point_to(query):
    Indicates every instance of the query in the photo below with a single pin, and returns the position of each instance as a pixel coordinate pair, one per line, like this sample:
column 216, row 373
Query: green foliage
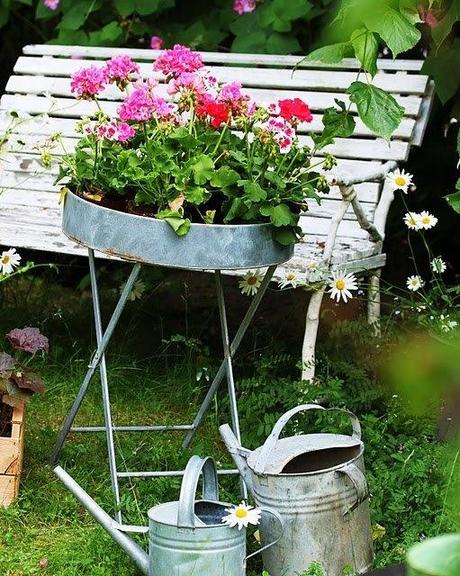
column 276, row 26
column 377, row 109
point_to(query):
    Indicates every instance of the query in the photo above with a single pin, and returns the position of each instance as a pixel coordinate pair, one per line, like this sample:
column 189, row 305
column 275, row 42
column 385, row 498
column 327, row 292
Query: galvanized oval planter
column 152, row 241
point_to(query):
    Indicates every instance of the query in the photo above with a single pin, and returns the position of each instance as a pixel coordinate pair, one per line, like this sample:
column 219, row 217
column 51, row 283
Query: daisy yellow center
column 412, row 220
column 340, row 284
column 241, row 513
column 426, row 220
column 290, row 276
column 400, row 181
column 6, row 259
column 252, row 280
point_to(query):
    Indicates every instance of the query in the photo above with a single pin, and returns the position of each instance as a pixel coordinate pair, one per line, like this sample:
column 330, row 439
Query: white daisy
column 340, row 286
column 438, row 265
column 137, row 290
column 313, row 272
column 250, row 282
column 241, row 516
column 412, row 220
column 9, row 260
column 446, row 324
column 399, row 180
column 290, row 278
column 427, row 220
column 414, row 283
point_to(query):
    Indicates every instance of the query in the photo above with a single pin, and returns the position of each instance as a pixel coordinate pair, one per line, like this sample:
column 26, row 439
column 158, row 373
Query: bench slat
column 395, row 82
column 216, row 57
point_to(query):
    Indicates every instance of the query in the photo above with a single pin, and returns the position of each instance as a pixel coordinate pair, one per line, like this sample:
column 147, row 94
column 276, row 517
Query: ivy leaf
column 444, row 66
column 203, row 169
column 175, row 219
column 366, row 49
column 444, row 27
column 279, row 215
column 224, row 177
column 125, row 7
column 454, row 199
column 145, row 7
column 254, row 192
column 197, row 195
column 330, row 54
column 76, row 16
column 282, row 43
column 394, row 29
column 377, row 109
column 337, row 124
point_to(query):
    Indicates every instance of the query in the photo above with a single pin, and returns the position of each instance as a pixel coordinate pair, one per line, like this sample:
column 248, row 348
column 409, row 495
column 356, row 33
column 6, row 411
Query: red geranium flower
column 295, row 110
column 218, row 112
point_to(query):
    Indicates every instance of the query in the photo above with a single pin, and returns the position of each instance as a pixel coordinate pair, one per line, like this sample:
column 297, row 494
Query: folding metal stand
column 99, row 361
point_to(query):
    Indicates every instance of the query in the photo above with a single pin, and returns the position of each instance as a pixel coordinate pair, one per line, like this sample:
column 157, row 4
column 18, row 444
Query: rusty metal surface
column 151, row 241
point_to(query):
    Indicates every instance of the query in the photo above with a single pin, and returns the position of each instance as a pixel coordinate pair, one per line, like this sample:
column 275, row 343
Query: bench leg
column 311, row 333
column 373, row 302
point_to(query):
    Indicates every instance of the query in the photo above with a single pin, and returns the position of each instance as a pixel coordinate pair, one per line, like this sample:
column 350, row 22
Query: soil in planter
column 6, row 415
column 127, row 205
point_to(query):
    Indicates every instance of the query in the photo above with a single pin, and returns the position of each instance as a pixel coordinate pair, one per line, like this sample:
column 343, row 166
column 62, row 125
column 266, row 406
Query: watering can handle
column 193, row 470
column 280, row 522
column 271, row 441
column 359, row 482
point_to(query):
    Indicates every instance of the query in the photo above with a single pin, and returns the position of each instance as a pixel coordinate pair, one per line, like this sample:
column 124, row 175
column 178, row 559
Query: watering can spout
column 238, row 453
column 128, row 545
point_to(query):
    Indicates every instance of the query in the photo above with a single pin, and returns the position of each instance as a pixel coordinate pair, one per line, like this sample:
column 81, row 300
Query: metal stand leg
column 94, row 363
column 105, row 390
column 233, row 348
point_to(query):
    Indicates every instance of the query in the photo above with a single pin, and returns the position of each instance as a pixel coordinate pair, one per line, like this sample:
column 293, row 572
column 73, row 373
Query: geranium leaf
column 203, row 169
column 224, row 177
column 254, row 192
column 279, row 215
column 175, row 219
column 197, row 195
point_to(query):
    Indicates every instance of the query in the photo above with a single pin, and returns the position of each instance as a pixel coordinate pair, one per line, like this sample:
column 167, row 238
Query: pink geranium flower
column 51, row 4
column 187, row 81
column 178, row 60
column 156, row 43
column 283, row 133
column 244, row 6
column 125, row 132
column 88, row 82
column 28, row 339
column 120, row 70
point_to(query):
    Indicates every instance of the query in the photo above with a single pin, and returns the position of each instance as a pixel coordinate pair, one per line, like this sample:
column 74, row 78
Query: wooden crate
column 11, row 453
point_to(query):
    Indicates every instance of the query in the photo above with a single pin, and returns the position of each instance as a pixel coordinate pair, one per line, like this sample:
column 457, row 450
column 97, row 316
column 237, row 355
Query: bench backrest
column 40, row 87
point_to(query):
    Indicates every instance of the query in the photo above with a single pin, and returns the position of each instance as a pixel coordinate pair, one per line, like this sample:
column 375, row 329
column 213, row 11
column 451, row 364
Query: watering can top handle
column 193, row 470
column 271, row 441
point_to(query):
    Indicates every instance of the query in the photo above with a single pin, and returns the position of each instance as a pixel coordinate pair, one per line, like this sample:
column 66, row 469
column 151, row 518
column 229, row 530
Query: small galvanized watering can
column 188, row 538
column 317, row 484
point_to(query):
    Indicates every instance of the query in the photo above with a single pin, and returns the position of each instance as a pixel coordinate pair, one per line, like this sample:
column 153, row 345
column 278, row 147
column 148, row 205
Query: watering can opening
column 321, row 460
column 210, row 513
column 309, row 454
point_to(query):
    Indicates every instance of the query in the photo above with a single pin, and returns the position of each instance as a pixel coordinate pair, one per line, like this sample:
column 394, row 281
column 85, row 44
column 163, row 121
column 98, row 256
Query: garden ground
column 158, row 366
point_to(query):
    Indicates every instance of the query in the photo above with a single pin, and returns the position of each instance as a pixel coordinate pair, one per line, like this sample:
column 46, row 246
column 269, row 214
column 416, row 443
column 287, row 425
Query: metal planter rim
column 152, row 241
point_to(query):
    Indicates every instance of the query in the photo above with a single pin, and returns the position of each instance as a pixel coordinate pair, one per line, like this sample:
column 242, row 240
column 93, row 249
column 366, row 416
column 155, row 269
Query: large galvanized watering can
column 317, row 484
column 187, row 537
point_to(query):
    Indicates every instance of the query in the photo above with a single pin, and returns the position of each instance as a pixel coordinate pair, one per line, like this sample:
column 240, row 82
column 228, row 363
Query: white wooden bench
column 40, row 88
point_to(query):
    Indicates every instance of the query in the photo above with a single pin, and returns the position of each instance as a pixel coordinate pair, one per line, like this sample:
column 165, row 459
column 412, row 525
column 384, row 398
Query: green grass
column 152, row 378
